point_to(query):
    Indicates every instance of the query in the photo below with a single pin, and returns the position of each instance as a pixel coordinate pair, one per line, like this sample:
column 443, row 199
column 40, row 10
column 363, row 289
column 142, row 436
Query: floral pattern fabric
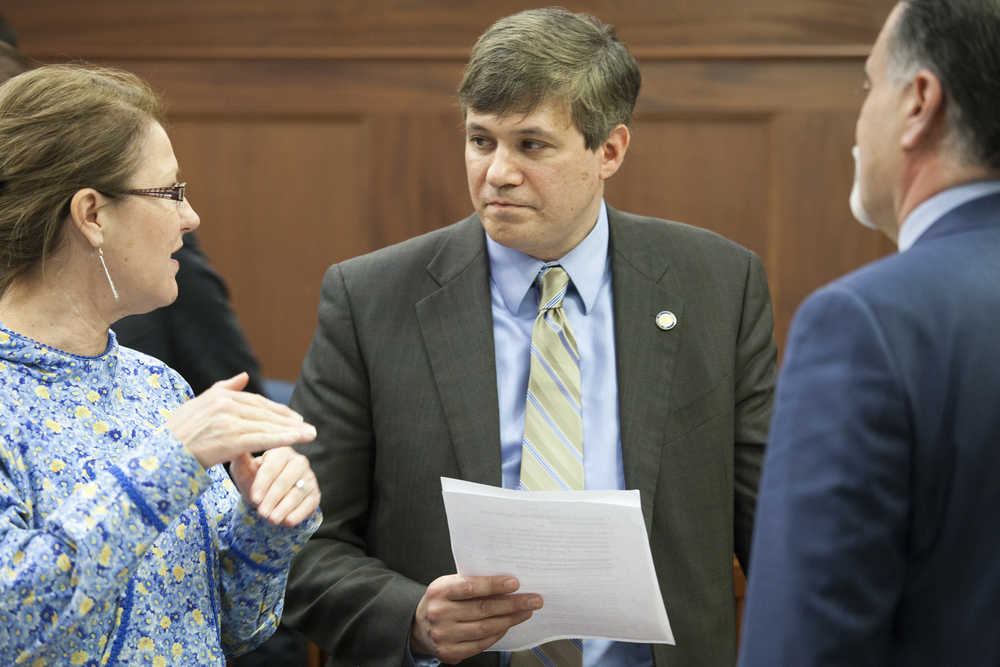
column 116, row 547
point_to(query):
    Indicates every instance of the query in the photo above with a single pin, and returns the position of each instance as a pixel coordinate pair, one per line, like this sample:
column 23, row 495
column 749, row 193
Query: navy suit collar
column 976, row 214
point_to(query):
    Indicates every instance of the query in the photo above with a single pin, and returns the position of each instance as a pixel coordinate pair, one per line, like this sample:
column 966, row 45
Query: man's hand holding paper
column 460, row 616
column 585, row 553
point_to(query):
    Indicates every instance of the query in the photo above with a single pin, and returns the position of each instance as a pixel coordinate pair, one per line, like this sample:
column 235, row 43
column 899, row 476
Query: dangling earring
column 100, row 256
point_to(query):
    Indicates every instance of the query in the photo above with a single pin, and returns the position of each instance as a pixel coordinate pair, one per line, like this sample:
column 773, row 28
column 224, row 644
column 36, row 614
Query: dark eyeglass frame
column 175, row 192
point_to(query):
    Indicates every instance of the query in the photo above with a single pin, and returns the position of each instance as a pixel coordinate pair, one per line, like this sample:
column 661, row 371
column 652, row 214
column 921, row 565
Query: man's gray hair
column 959, row 41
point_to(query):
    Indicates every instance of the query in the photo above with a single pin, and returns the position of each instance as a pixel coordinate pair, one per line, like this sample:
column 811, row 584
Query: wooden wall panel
column 278, row 203
column 816, row 239
column 419, row 179
column 298, row 28
column 312, row 131
column 673, row 156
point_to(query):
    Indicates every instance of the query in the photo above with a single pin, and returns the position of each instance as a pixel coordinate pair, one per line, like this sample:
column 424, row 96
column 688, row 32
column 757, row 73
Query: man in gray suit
column 421, row 361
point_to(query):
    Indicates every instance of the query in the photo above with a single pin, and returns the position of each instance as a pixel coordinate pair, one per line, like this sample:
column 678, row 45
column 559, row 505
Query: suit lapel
column 456, row 323
column 646, row 355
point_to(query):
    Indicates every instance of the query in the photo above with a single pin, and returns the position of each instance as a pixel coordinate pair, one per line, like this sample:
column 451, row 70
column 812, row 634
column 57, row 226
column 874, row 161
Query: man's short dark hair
column 959, row 41
column 550, row 54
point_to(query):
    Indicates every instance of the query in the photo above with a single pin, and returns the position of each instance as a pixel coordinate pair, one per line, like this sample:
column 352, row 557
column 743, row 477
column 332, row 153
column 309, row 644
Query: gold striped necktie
column 552, row 447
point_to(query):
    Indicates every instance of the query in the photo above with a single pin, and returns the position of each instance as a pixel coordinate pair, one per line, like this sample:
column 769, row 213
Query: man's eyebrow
column 535, row 131
column 524, row 131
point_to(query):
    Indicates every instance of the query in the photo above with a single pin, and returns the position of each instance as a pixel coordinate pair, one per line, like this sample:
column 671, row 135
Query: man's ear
column 924, row 105
column 613, row 151
column 85, row 214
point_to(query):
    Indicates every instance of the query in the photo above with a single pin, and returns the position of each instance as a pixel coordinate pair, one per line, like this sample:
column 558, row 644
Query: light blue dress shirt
column 588, row 304
column 932, row 210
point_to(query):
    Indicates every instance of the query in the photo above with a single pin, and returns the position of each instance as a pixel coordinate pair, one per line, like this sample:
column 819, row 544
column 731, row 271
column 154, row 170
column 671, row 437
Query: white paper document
column 585, row 552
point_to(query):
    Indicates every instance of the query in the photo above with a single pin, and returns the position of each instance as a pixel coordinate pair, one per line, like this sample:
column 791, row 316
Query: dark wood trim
column 460, row 55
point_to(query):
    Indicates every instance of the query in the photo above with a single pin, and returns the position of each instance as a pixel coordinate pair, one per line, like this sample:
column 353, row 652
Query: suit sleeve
column 756, row 359
column 350, row 604
column 829, row 548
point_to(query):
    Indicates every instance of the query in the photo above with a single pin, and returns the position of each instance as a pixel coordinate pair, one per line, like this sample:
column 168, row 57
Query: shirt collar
column 932, row 210
column 514, row 272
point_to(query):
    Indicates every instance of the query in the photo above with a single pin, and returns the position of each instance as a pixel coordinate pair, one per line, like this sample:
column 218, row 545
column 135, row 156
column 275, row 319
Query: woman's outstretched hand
column 224, row 423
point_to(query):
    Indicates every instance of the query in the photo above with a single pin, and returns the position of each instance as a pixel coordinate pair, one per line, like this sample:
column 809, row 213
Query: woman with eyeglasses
column 122, row 538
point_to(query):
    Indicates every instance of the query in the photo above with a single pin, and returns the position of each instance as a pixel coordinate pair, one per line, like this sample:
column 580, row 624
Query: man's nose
column 504, row 169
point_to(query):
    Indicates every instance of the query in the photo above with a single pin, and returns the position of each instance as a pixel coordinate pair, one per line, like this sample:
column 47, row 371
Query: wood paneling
column 312, row 131
column 815, row 238
column 298, row 28
column 674, row 155
column 278, row 203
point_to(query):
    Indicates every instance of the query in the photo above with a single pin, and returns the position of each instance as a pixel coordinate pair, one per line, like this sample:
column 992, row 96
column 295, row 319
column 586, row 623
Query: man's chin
column 506, row 214
column 500, row 230
column 510, row 234
column 858, row 209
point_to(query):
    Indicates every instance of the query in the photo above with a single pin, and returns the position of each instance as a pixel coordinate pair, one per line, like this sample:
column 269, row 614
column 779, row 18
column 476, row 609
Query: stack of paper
column 585, row 552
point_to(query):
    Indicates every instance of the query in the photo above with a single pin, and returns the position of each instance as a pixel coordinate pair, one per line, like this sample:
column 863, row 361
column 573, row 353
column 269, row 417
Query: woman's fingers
column 235, row 383
column 263, row 436
column 223, row 423
column 285, row 488
column 263, row 405
column 304, row 509
column 243, row 469
column 271, row 464
column 300, row 501
column 276, row 477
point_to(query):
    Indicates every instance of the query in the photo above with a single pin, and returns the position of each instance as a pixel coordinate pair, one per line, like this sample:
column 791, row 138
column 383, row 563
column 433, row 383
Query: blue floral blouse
column 116, row 547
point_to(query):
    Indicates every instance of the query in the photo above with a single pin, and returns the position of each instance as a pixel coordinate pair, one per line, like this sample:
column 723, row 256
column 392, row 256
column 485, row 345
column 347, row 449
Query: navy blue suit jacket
column 877, row 539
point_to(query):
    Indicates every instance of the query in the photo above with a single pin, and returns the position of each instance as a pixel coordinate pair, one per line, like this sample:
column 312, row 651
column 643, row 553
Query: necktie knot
column 554, row 280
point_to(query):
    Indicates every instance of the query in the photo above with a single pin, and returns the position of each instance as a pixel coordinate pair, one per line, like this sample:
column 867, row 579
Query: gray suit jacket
column 401, row 384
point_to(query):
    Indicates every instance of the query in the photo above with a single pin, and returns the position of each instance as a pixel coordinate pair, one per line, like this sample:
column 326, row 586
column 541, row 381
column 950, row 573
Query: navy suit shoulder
column 876, row 529
column 951, row 249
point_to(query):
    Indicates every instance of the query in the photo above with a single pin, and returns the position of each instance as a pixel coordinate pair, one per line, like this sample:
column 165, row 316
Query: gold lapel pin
column 666, row 320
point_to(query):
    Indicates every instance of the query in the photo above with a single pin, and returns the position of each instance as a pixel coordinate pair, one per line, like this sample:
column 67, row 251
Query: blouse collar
column 52, row 364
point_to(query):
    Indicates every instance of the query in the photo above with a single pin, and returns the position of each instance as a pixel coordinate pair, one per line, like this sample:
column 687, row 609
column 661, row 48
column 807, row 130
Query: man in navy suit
column 878, row 526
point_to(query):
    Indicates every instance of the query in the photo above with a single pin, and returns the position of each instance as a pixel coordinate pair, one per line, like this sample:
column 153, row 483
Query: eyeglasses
column 175, row 192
